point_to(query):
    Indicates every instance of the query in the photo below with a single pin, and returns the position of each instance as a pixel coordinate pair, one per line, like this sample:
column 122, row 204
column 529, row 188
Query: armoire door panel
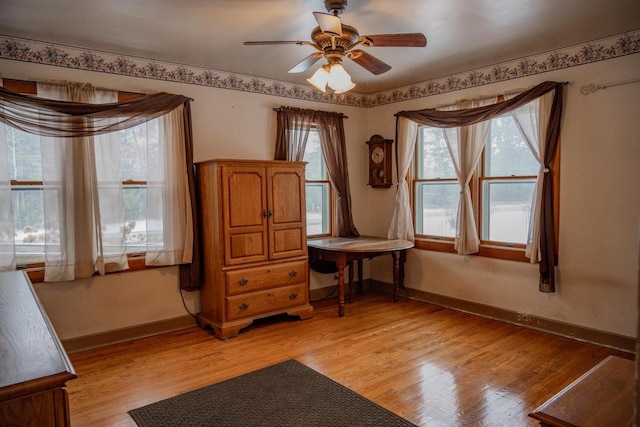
column 287, row 226
column 288, row 242
column 245, row 196
column 245, row 209
column 286, row 203
column 246, row 247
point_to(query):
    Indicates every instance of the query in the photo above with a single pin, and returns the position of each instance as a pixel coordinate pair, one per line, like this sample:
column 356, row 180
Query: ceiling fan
column 334, row 40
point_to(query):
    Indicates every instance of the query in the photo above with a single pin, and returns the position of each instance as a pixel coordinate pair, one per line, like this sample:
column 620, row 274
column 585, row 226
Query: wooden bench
column 603, row 396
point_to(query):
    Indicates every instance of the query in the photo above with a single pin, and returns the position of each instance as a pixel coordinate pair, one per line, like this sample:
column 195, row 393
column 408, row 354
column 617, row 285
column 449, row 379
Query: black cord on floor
column 185, row 305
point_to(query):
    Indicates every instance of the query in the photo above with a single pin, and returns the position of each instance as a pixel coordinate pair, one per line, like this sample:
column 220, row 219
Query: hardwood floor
column 432, row 366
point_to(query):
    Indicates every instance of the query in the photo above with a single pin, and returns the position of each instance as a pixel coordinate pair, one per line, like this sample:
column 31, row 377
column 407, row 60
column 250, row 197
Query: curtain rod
column 591, row 88
column 331, row 112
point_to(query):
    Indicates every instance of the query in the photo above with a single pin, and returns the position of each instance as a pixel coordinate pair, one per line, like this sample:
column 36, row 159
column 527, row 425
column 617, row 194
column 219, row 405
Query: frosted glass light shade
column 350, row 86
column 319, row 79
column 339, row 79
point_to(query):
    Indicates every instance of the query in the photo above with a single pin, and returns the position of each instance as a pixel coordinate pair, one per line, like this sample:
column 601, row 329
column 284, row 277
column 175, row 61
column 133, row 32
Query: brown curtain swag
column 62, row 119
column 470, row 116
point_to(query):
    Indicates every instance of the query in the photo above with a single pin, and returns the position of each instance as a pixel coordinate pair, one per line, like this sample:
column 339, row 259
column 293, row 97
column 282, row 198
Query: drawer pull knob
column 293, row 295
column 243, row 281
column 293, row 273
column 243, row 306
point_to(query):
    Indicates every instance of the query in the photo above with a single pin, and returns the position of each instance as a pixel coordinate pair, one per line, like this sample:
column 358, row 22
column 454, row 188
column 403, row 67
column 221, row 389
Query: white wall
column 226, row 124
column 599, row 205
column 597, row 273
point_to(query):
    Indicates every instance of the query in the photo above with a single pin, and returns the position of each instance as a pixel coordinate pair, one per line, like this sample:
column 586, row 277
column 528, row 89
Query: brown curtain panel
column 293, row 131
column 331, row 129
column 465, row 117
column 62, row 119
column 293, row 126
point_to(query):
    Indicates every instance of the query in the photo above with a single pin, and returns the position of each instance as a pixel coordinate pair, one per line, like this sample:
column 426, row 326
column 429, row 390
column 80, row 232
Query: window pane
column 508, row 154
column 434, row 160
column 136, row 228
column 317, row 193
column 23, row 151
column 138, row 146
column 315, row 169
column 506, row 210
column 133, row 152
column 317, row 208
column 28, row 211
column 437, row 208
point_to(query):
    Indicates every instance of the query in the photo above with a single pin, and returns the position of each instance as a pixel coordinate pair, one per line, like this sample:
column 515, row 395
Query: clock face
column 377, row 155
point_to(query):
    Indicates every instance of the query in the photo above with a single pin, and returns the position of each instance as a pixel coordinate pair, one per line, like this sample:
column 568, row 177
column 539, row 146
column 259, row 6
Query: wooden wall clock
column 380, row 161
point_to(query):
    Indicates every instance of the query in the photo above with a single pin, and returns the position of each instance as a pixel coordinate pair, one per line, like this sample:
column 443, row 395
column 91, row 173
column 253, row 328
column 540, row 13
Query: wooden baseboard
column 580, row 333
column 606, row 339
column 87, row 342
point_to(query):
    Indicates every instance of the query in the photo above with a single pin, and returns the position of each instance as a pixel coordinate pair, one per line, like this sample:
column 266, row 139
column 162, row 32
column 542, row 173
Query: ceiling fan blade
column 259, row 43
column 306, row 63
column 369, row 62
column 328, row 23
column 406, row 39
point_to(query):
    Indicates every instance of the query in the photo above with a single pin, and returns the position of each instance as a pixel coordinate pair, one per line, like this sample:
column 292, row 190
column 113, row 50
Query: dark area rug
column 285, row 394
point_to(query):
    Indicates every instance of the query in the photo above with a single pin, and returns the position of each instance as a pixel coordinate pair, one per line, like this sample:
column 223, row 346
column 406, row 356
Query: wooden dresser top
column 30, row 351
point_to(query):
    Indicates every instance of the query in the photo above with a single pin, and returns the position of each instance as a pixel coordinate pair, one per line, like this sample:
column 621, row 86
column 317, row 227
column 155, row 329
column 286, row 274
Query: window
column 502, row 191
column 508, row 179
column 51, row 188
column 27, row 195
column 136, row 146
column 318, row 188
column 437, row 190
column 24, row 153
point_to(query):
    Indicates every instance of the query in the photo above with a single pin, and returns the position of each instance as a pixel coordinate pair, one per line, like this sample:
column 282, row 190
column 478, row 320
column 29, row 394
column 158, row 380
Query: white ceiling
column 461, row 34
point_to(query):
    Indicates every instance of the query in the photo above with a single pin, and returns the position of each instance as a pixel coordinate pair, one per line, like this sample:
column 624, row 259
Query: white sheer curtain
column 73, row 237
column 532, row 119
column 168, row 202
column 402, row 221
column 465, row 146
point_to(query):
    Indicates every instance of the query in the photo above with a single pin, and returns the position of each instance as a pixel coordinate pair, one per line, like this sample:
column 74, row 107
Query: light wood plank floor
column 432, row 366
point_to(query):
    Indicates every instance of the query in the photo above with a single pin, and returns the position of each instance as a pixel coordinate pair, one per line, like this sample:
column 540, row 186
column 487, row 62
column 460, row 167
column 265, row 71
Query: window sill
column 489, row 251
column 36, row 271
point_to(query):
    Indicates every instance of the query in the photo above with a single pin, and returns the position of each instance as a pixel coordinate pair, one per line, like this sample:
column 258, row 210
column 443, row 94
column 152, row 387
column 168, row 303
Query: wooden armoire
column 254, row 240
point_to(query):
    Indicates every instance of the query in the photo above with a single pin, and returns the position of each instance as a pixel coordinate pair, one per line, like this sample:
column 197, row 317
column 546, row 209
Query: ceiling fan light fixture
column 320, row 79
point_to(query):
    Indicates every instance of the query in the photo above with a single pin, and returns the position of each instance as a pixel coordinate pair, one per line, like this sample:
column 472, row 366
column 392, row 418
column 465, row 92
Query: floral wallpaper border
column 26, row 50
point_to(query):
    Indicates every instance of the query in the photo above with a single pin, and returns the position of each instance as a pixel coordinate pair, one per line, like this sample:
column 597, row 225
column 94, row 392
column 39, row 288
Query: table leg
column 341, row 264
column 403, row 259
column 351, row 280
column 396, row 274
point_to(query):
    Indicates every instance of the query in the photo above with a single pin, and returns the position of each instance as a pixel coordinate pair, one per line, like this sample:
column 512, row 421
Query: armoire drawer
column 254, row 303
column 265, row 276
